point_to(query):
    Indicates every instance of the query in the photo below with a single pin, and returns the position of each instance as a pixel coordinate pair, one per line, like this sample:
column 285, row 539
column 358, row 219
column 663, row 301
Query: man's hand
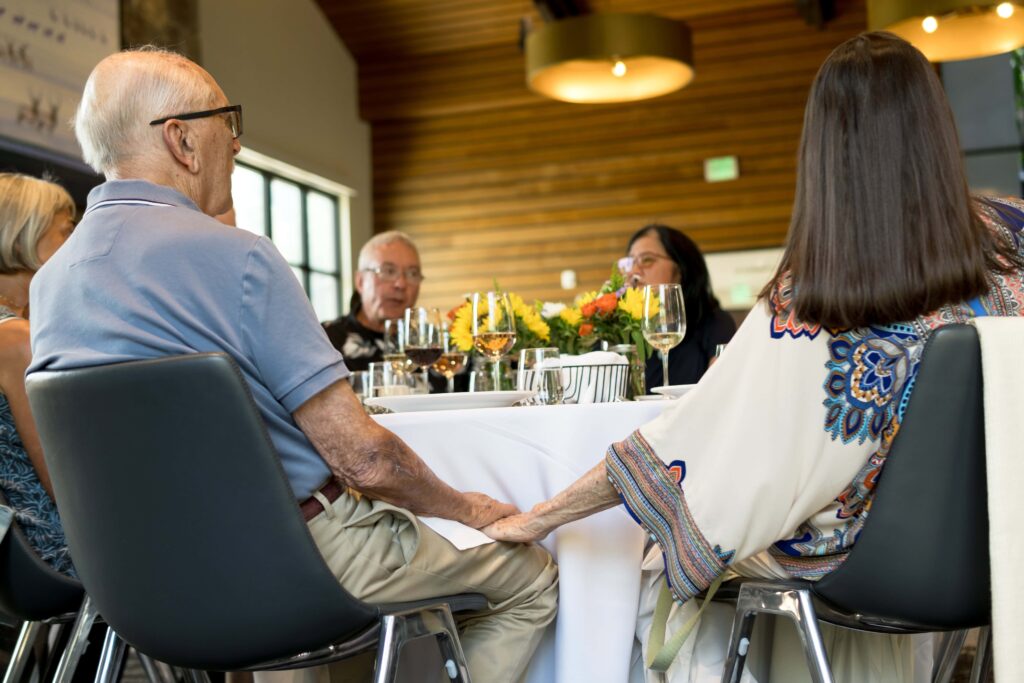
column 522, row 528
column 483, row 510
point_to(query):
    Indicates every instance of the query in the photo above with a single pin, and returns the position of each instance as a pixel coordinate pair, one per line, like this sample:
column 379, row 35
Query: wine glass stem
column 664, row 367
column 451, row 383
column 426, row 379
column 497, row 374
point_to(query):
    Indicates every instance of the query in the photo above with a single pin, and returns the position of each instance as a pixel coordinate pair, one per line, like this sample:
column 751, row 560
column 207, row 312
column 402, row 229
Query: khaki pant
column 380, row 553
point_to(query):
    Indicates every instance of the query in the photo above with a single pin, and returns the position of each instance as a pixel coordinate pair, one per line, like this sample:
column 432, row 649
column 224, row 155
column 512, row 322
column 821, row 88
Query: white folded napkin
column 459, row 535
column 595, row 358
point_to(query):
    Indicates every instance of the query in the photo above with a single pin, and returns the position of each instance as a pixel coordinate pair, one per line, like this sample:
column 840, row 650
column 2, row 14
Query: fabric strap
column 6, row 517
column 661, row 654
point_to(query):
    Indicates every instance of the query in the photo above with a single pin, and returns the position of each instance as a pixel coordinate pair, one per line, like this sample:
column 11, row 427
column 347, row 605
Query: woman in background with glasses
column 657, row 255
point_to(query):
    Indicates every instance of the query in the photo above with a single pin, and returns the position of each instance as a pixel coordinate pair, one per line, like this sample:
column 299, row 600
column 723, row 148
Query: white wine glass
column 423, row 338
column 664, row 320
column 494, row 328
column 452, row 360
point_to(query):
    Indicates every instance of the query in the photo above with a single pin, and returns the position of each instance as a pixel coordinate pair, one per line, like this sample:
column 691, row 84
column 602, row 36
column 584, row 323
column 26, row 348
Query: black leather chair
column 186, row 534
column 35, row 594
column 921, row 563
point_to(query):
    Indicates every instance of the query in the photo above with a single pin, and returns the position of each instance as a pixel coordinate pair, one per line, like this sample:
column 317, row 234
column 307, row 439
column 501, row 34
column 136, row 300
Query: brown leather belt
column 311, row 507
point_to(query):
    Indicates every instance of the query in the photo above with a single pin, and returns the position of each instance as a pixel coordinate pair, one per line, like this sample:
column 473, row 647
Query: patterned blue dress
column 33, row 509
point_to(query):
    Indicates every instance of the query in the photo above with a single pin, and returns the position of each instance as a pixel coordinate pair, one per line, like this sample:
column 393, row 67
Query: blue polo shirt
column 146, row 274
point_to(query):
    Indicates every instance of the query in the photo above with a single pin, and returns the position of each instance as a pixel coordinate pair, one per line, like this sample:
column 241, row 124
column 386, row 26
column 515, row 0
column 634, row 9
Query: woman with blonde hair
column 35, row 220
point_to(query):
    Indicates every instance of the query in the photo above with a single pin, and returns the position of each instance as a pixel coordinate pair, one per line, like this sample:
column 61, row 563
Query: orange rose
column 588, row 309
column 585, row 329
column 606, row 303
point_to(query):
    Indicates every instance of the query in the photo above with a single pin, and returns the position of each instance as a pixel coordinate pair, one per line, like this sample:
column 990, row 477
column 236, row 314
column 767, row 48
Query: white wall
column 298, row 85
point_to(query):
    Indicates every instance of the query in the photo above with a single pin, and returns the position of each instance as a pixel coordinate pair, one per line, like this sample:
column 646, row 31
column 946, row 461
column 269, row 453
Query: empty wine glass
column 423, row 337
column 452, row 360
column 494, row 328
column 540, row 370
column 394, row 345
column 664, row 320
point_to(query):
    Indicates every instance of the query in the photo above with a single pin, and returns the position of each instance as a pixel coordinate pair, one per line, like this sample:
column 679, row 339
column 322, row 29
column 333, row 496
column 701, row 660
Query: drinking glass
column 423, row 338
column 394, row 345
column 394, row 383
column 540, row 370
column 494, row 328
column 360, row 384
column 664, row 320
column 452, row 360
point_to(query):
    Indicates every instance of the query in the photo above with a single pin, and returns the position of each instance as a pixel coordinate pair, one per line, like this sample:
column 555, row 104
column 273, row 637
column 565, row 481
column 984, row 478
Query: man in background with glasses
column 148, row 273
column 387, row 283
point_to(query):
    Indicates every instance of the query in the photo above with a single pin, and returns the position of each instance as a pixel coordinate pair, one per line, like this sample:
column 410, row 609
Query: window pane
column 286, row 219
column 323, row 292
column 323, row 233
column 301, row 277
column 247, row 194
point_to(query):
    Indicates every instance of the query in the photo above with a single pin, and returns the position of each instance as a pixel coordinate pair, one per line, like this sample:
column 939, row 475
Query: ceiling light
column 948, row 30
column 609, row 58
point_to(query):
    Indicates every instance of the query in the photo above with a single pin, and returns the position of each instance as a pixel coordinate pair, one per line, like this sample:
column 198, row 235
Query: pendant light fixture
column 609, row 58
column 948, row 30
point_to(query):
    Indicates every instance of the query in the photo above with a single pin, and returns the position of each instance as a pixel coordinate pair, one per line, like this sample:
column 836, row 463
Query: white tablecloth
column 526, row 455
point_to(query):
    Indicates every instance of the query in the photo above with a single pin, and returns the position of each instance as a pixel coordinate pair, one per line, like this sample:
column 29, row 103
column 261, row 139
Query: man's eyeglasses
column 234, row 113
column 389, row 273
column 643, row 262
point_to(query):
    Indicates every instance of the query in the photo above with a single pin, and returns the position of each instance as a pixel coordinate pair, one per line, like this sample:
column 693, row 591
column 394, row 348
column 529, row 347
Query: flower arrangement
column 613, row 314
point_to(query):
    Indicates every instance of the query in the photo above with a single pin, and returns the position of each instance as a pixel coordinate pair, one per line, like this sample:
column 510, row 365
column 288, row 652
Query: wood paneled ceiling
column 373, row 29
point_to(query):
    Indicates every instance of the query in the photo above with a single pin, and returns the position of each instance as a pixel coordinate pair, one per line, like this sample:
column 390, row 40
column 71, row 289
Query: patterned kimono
column 767, row 468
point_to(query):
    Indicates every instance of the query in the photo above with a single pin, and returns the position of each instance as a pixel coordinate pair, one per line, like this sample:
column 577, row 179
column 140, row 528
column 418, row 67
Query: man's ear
column 358, row 281
column 180, row 140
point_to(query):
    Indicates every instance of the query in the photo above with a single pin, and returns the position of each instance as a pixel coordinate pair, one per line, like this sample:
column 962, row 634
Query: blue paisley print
column 33, row 509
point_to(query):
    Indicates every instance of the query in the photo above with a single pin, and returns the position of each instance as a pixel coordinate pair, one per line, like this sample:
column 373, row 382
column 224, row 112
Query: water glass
column 360, row 384
column 540, row 370
column 396, row 383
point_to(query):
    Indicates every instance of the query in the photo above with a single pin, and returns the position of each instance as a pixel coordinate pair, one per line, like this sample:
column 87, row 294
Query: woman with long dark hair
column 783, row 441
column 658, row 254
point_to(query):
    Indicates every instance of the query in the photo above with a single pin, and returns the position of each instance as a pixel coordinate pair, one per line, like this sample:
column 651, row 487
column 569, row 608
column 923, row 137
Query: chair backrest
column 180, row 521
column 922, row 556
column 30, row 589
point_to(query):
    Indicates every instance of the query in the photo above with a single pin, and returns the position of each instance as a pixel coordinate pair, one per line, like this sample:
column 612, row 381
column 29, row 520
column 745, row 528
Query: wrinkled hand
column 484, row 510
column 522, row 528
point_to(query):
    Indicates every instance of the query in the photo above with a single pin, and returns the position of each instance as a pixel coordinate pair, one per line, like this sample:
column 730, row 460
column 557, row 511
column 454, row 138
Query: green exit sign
column 720, row 169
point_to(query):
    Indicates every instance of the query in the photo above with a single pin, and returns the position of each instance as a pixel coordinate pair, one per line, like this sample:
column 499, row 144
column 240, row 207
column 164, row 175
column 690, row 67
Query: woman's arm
column 589, row 494
column 15, row 355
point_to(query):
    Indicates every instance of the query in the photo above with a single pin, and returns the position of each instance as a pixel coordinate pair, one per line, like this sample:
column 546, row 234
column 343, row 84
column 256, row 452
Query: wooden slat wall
column 494, row 182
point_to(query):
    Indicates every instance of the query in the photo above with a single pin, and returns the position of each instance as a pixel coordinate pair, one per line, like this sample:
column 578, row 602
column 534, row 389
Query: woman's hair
column 27, row 207
column 883, row 228
column 698, row 298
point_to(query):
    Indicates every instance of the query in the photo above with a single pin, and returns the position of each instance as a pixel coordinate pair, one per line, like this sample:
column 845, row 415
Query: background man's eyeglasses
column 390, row 273
column 234, row 113
column 643, row 262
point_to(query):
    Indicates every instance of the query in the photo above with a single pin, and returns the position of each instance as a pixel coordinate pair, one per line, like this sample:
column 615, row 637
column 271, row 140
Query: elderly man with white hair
column 387, row 282
column 148, row 273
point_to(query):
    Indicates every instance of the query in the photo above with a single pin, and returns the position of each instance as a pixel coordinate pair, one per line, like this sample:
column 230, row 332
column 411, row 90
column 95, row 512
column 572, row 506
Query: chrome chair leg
column 196, row 676
column 451, row 649
column 78, row 642
column 111, row 658
column 399, row 628
column 154, row 672
column 981, row 669
column 764, row 598
column 22, row 651
column 945, row 658
column 386, row 666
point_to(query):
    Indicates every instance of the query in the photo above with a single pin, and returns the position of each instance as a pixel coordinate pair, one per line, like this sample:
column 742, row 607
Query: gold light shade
column 609, row 58
column 959, row 29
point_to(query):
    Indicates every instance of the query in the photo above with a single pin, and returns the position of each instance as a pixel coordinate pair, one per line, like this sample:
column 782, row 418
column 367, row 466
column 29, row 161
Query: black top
column 688, row 362
column 360, row 346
